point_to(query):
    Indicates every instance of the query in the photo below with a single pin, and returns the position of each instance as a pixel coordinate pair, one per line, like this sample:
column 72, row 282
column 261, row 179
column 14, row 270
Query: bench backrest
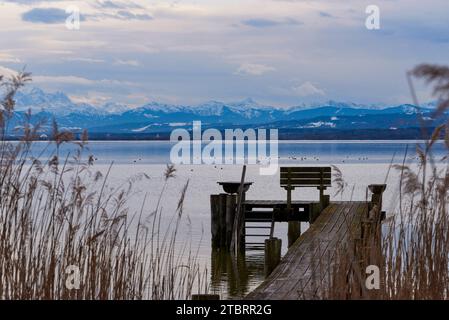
column 305, row 177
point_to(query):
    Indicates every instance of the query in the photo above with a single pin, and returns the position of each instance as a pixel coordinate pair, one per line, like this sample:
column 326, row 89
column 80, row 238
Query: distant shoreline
column 353, row 141
column 284, row 134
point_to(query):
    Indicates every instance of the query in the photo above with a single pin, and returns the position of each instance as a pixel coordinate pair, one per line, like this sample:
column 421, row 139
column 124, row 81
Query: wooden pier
column 305, row 271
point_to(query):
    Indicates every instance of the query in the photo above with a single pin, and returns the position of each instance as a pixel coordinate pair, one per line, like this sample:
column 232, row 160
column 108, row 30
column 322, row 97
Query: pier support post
column 375, row 211
column 375, row 218
column 294, row 231
column 325, row 200
column 215, row 220
column 223, row 210
column 272, row 254
column 231, row 203
column 368, row 247
column 223, row 199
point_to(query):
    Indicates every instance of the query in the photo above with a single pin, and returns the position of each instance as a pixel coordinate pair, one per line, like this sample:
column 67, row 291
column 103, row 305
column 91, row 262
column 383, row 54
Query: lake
column 361, row 162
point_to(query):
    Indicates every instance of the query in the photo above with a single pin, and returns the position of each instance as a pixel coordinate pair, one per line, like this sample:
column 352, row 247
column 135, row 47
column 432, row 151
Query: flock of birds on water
column 313, row 158
column 294, row 158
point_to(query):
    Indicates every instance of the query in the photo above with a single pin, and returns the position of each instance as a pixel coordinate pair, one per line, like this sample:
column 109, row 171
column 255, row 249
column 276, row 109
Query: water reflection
column 233, row 278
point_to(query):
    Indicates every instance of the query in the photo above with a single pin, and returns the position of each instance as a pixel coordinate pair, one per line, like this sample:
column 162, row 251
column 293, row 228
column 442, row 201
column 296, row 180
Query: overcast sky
column 279, row 52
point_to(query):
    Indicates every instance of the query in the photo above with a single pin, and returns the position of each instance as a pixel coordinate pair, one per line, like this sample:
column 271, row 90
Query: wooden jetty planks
column 304, row 270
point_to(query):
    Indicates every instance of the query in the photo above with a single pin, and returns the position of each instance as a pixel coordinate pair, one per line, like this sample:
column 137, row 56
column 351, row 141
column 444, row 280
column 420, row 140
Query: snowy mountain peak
column 114, row 108
column 159, row 107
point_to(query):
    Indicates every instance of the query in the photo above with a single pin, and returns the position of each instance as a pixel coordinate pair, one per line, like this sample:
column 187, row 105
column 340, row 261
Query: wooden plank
column 304, row 271
column 305, row 169
column 330, row 238
column 313, row 175
column 267, row 204
column 289, row 265
column 275, row 202
column 305, row 182
column 361, row 210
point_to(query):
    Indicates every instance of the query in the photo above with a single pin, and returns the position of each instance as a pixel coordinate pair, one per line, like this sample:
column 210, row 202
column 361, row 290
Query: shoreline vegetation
column 412, row 251
column 65, row 233
column 415, row 133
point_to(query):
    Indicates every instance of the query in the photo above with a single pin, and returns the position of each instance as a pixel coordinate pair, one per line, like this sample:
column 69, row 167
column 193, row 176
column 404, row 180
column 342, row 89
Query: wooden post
column 215, row 220
column 326, row 200
column 239, row 216
column 289, row 200
column 289, row 191
column 272, row 254
column 320, row 188
column 222, row 219
column 294, row 232
column 375, row 218
column 368, row 242
column 222, row 203
column 314, row 212
column 230, row 217
column 376, row 198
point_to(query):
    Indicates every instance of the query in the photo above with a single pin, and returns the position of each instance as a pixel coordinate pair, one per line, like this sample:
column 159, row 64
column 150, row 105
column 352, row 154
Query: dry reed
column 414, row 252
column 59, row 214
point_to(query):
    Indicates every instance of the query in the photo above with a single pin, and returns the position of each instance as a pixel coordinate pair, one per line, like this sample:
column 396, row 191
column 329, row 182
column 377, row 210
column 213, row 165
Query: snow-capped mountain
column 154, row 117
column 60, row 104
column 113, row 108
column 56, row 103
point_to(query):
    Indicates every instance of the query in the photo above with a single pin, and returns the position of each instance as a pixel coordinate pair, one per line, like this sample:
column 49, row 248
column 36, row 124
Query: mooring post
column 376, row 198
column 372, row 229
column 272, row 254
column 375, row 208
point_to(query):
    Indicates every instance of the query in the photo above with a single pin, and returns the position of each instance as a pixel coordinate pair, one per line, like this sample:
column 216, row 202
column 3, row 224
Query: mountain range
column 331, row 120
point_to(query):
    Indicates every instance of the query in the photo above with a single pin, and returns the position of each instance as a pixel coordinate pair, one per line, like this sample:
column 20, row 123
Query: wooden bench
column 296, row 177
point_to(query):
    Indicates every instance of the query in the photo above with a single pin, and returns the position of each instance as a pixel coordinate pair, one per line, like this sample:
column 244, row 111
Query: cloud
column 92, row 98
column 265, row 23
column 46, row 15
column 254, row 69
column 122, row 15
column 6, row 72
column 5, row 57
column 133, row 63
column 229, row 49
column 108, row 4
column 27, row 2
column 308, row 89
column 128, row 15
column 86, row 60
column 76, row 80
column 122, row 10
column 325, row 14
